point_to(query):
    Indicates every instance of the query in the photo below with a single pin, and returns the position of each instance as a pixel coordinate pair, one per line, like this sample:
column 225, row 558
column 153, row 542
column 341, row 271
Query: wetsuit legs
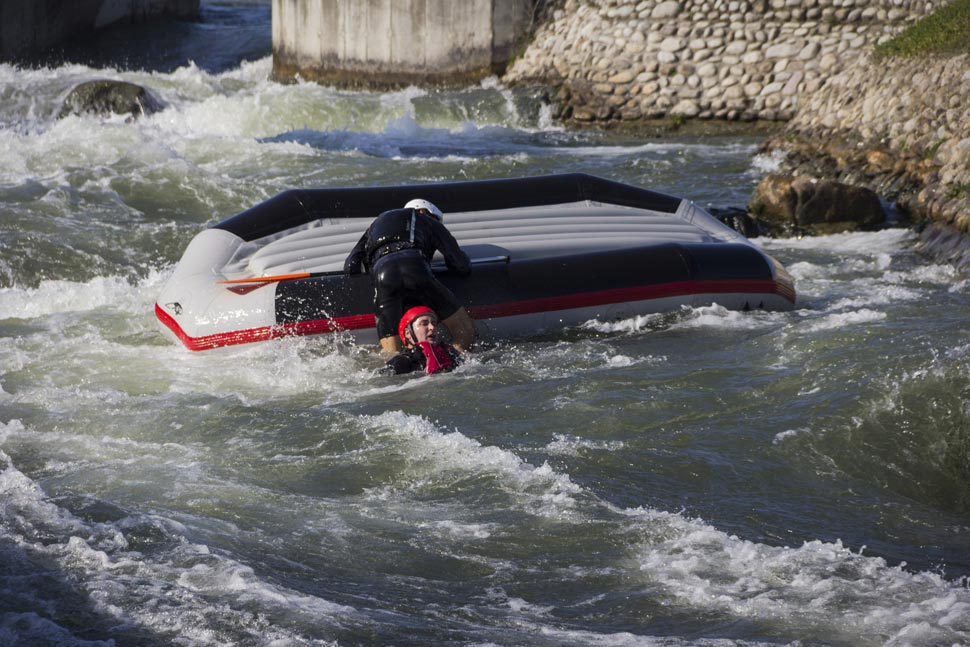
column 391, row 344
column 462, row 330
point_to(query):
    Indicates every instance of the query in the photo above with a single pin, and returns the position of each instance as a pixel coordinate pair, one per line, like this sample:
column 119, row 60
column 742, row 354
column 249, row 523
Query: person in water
column 397, row 250
column 418, row 330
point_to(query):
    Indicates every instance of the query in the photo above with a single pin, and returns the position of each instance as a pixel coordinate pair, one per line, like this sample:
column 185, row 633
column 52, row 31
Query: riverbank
column 896, row 126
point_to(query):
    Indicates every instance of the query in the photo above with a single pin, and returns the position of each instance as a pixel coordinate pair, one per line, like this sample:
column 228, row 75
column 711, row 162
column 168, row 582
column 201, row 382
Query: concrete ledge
column 391, row 43
column 371, row 78
column 30, row 27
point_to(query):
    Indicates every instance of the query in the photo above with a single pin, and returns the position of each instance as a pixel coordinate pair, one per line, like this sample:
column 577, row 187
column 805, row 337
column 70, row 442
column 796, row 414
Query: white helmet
column 419, row 204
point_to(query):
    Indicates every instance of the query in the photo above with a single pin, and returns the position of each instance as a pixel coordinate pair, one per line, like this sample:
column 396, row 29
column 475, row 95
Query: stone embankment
column 899, row 127
column 631, row 60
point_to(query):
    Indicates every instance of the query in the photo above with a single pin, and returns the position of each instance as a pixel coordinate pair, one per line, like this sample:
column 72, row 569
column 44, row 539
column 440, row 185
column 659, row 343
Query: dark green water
column 701, row 478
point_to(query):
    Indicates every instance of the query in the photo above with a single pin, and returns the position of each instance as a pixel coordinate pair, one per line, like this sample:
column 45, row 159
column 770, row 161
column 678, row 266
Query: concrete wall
column 31, row 26
column 388, row 43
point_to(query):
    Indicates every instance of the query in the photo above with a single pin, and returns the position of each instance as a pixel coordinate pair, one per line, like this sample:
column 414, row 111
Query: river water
column 701, row 478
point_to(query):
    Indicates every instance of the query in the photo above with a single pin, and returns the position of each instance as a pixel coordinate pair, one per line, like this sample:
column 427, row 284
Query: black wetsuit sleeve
column 355, row 261
column 405, row 362
column 455, row 355
column 455, row 258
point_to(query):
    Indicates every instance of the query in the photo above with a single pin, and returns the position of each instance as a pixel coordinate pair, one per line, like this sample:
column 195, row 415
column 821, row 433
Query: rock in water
column 105, row 97
column 737, row 219
column 803, row 204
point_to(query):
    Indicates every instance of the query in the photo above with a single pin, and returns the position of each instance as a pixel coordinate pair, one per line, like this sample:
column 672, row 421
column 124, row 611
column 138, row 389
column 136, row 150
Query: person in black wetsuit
column 397, row 250
column 418, row 329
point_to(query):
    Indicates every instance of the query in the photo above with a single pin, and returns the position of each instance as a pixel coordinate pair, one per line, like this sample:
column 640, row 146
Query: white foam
column 844, row 320
column 59, row 297
column 257, row 71
column 629, row 639
column 886, row 241
column 782, row 436
column 824, row 591
column 332, row 366
column 161, row 594
column 433, row 454
column 15, row 487
column 668, row 149
column 459, row 531
column 328, row 369
column 763, row 164
column 560, row 360
column 717, row 316
column 926, row 273
column 566, row 445
column 629, row 325
column 50, row 156
column 517, row 605
column 229, row 579
column 806, row 271
column 959, row 286
column 879, row 294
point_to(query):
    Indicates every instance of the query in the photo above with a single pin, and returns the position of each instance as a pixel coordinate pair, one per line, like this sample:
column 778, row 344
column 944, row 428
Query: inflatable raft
column 547, row 253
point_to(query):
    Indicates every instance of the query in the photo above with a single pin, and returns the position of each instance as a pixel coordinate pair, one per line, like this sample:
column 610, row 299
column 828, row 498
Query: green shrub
column 945, row 32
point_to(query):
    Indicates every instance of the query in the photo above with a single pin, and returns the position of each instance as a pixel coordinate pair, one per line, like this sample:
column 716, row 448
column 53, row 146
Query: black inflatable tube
column 500, row 283
column 299, row 206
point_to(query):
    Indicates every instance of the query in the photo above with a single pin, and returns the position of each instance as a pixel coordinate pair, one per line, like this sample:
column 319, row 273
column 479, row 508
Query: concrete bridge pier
column 394, row 43
column 29, row 27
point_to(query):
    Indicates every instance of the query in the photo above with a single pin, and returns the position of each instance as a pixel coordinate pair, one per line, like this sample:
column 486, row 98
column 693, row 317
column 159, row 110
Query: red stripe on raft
column 639, row 293
column 546, row 304
column 263, row 333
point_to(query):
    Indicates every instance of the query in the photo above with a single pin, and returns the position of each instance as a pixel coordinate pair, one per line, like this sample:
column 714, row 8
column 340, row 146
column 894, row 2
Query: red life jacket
column 438, row 357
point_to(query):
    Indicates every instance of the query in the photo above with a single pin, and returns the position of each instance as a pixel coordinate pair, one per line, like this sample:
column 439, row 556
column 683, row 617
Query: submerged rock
column 737, row 219
column 785, row 204
column 104, row 97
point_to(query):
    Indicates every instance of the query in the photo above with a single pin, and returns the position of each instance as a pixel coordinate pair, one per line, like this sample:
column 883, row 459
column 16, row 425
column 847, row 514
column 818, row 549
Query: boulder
column 785, row 204
column 104, row 97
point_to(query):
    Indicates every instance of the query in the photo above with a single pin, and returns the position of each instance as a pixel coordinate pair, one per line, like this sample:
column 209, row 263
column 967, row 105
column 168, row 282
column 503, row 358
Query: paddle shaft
column 281, row 277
